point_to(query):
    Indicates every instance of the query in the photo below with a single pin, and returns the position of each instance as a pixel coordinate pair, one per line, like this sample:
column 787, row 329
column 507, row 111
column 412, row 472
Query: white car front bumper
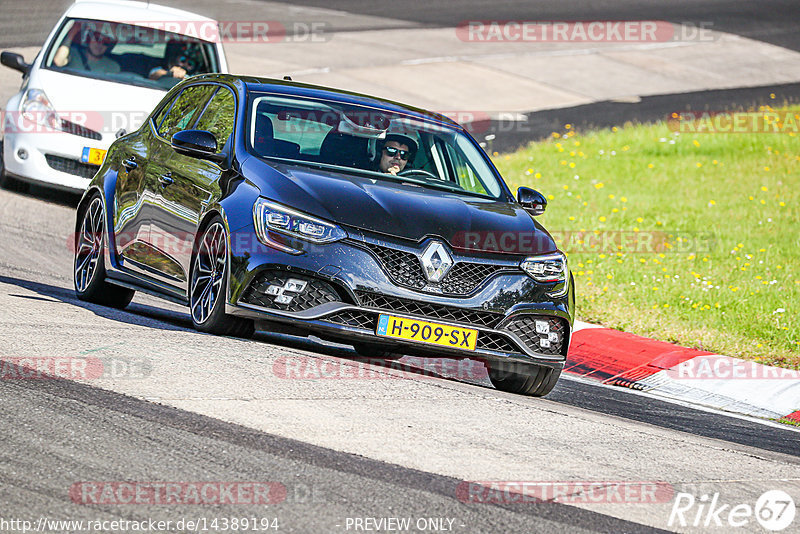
column 51, row 157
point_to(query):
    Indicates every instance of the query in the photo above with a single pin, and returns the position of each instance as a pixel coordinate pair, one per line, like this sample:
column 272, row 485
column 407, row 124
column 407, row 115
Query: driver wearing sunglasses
column 178, row 66
column 395, row 154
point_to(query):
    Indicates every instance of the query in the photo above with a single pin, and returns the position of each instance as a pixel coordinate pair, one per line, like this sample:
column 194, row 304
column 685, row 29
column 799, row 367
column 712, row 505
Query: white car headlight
column 546, row 268
column 272, row 217
column 36, row 107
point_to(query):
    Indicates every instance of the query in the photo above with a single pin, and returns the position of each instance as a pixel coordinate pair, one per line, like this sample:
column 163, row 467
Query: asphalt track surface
column 587, row 395
column 56, row 431
column 114, row 437
column 771, row 21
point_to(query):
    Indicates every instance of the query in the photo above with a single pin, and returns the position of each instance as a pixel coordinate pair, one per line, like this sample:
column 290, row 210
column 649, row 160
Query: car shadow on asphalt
column 154, row 317
column 135, row 313
column 46, row 194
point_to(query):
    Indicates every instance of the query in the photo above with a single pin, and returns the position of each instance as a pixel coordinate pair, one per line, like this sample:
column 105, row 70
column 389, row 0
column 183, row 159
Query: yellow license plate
column 425, row 332
column 93, row 156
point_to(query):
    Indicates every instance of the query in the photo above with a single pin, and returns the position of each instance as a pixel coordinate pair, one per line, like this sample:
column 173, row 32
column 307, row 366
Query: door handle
column 129, row 163
column 166, row 179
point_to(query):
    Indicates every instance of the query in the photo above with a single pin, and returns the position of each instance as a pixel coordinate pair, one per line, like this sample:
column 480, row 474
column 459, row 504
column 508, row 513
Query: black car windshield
column 377, row 142
column 129, row 53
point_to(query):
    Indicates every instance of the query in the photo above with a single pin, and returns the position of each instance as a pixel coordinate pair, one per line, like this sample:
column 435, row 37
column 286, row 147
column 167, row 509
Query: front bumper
column 348, row 287
column 52, row 158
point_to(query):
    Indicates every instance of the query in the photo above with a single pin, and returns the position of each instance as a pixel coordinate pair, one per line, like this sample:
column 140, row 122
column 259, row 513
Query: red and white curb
column 688, row 375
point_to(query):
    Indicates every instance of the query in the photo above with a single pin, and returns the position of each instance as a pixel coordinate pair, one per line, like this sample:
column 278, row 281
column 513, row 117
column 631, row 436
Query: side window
column 465, row 175
column 184, row 111
column 219, row 116
column 163, row 111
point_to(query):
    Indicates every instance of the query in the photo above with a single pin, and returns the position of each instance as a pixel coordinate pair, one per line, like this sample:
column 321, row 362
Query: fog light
column 283, row 299
column 542, row 327
column 22, row 154
column 292, row 285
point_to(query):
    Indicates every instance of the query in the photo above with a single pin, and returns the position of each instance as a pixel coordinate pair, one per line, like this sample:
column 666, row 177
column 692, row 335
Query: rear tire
column 375, row 351
column 208, row 285
column 89, row 270
column 523, row 378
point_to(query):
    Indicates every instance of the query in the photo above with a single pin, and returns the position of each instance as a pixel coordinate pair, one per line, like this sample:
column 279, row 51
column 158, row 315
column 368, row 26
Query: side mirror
column 15, row 61
column 197, row 144
column 532, row 200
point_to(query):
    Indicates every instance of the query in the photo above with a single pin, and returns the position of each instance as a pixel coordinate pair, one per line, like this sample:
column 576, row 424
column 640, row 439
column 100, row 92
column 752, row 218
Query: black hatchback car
column 305, row 210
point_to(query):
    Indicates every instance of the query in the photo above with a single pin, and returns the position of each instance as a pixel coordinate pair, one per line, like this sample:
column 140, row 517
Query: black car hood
column 402, row 210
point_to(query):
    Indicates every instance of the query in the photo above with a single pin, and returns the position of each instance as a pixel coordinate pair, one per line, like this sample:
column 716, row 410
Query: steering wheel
column 409, row 172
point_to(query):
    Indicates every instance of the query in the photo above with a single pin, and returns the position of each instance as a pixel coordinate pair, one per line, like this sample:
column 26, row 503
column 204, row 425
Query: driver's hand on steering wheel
column 177, row 71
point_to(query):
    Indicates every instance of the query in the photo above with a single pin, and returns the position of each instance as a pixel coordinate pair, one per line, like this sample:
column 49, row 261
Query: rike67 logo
column 774, row 511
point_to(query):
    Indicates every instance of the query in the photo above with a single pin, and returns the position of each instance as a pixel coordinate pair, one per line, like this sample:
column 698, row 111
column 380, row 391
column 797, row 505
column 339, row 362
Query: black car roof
column 288, row 87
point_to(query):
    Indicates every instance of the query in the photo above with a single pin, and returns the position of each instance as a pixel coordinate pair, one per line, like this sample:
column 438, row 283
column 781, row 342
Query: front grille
column 77, row 129
column 426, row 309
column 495, row 342
column 315, row 292
column 541, row 342
column 71, row 166
column 357, row 318
column 464, row 277
column 405, row 269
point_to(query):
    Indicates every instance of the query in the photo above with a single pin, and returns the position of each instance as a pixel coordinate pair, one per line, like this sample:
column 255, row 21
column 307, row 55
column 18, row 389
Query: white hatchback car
column 104, row 66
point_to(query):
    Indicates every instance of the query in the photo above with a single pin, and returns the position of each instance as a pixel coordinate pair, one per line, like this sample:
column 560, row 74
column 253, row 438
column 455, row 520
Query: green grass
column 787, row 421
column 737, row 294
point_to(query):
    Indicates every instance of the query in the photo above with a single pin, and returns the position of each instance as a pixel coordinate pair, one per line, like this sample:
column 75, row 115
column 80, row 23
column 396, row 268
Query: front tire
column 208, row 285
column 89, row 271
column 523, row 378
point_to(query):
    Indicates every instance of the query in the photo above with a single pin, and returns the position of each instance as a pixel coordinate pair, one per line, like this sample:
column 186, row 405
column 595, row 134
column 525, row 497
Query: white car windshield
column 128, row 53
column 390, row 145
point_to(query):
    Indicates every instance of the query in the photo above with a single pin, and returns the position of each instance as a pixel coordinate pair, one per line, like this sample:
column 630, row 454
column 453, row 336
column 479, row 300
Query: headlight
column 546, row 268
column 37, row 107
column 271, row 218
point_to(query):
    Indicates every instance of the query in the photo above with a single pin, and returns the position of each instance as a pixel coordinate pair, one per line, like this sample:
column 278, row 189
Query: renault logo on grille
column 436, row 261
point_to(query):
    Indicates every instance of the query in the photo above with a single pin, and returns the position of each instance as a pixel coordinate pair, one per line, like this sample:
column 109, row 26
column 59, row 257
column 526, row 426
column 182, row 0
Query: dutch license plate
column 425, row 332
column 94, row 156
